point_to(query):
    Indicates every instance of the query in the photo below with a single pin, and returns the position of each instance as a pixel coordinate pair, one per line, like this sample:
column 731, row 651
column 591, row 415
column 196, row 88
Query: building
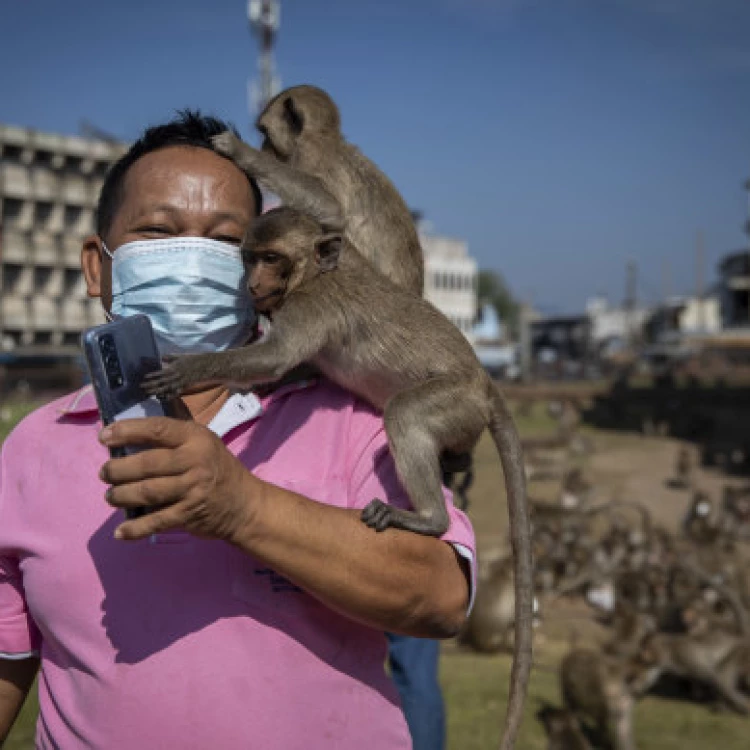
column 49, row 185
column 682, row 318
column 613, row 324
column 450, row 280
column 734, row 290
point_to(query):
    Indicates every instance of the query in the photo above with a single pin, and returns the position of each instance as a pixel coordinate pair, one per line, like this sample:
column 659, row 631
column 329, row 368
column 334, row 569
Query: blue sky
column 561, row 138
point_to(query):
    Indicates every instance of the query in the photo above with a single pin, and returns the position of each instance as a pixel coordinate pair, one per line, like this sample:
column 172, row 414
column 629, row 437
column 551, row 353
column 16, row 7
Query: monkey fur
column 307, row 162
column 330, row 307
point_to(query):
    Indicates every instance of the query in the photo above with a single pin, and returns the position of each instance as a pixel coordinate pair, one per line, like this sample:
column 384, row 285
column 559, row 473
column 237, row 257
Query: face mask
column 192, row 289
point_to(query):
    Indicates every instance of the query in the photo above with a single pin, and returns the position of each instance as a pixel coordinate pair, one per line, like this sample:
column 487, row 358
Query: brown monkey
column 562, row 729
column 329, row 306
column 308, row 163
column 493, row 614
column 715, row 658
column 596, row 686
column 683, row 468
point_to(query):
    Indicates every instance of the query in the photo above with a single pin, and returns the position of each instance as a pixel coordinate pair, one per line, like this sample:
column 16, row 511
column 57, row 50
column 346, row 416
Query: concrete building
column 49, row 185
column 451, row 280
column 682, row 318
column 610, row 324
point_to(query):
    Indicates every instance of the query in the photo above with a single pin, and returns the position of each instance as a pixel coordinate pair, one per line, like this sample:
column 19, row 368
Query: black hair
column 188, row 128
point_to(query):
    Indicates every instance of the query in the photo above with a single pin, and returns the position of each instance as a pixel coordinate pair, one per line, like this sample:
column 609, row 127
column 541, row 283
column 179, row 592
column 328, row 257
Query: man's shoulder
column 329, row 400
column 325, row 421
column 37, row 423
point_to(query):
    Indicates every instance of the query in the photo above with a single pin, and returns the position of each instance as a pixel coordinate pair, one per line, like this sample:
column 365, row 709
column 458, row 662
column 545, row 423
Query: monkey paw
column 169, row 382
column 228, row 144
column 377, row 515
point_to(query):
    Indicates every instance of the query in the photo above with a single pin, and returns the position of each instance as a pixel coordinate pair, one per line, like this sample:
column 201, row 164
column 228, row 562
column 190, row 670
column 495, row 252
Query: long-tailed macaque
column 329, row 306
column 308, row 163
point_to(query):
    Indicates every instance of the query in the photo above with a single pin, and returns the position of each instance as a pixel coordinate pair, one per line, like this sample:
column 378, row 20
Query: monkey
column 596, row 686
column 461, row 487
column 712, row 658
column 575, row 490
column 683, row 468
column 329, row 306
column 699, row 524
column 491, row 618
column 307, row 162
column 562, row 729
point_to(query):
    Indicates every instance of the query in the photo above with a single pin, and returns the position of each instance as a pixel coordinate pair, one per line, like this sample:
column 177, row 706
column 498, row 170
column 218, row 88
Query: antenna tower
column 264, row 17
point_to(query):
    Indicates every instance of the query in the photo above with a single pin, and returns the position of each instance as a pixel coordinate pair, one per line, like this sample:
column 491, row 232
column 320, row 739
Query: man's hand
column 187, row 469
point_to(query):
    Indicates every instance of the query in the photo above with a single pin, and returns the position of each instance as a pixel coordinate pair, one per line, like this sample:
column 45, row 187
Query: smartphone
column 118, row 356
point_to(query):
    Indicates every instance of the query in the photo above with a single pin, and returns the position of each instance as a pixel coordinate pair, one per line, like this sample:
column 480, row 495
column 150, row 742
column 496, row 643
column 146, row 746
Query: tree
column 493, row 289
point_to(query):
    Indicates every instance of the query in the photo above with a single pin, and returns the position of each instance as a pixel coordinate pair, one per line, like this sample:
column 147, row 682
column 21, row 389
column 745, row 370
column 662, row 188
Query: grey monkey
column 329, row 306
column 309, row 164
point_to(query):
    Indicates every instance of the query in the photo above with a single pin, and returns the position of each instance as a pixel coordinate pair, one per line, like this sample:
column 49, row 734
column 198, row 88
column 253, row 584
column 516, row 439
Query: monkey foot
column 379, row 516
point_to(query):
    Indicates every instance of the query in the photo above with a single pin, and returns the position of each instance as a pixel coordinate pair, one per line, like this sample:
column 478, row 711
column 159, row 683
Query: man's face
column 178, row 191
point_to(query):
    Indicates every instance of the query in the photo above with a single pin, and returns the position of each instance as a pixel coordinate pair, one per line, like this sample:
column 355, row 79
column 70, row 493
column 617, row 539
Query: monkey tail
column 505, row 435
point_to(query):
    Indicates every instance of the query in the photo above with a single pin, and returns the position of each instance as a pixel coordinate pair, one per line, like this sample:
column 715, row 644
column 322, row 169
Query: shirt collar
column 241, row 407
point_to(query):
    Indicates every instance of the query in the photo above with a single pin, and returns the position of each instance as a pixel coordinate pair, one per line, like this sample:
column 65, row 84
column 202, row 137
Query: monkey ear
column 293, row 116
column 327, row 250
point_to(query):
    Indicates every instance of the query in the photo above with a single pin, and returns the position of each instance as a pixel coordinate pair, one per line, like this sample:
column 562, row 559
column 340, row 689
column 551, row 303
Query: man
column 250, row 610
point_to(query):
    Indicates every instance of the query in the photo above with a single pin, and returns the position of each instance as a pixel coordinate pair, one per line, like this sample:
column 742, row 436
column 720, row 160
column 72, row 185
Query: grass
column 11, row 413
column 476, row 686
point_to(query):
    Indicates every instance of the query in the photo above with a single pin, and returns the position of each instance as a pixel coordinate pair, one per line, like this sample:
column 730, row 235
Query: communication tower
column 264, row 17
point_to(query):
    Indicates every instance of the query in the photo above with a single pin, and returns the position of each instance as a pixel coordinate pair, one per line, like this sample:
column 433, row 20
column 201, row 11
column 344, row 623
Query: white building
column 613, row 323
column 49, row 185
column 450, row 279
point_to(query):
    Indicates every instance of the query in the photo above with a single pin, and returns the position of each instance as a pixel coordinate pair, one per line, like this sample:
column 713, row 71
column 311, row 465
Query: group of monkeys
column 338, row 269
column 676, row 605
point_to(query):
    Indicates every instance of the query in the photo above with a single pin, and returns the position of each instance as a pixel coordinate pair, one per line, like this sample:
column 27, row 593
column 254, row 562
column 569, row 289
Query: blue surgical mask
column 192, row 288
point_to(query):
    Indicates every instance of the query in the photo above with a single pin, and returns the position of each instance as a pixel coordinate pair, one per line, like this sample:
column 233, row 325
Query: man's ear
column 327, row 250
column 293, row 115
column 91, row 264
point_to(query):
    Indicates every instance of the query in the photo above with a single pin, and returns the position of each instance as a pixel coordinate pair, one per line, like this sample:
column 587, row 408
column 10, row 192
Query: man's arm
column 16, row 679
column 393, row 580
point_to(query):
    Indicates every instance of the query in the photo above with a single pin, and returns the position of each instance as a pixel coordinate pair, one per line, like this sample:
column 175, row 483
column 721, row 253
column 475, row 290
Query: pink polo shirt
column 180, row 642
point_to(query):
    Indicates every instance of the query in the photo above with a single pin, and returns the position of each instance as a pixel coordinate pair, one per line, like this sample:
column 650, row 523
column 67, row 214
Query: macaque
column 683, row 468
column 307, row 162
column 595, row 686
column 330, row 307
column 714, row 658
column 562, row 728
column 699, row 524
column 493, row 614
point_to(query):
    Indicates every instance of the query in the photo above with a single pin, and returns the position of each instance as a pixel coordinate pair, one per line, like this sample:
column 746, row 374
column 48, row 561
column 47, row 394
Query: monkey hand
column 229, row 145
column 177, row 375
column 188, row 476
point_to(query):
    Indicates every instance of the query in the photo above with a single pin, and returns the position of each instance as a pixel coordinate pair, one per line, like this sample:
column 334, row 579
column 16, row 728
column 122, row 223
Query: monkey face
column 297, row 113
column 268, row 276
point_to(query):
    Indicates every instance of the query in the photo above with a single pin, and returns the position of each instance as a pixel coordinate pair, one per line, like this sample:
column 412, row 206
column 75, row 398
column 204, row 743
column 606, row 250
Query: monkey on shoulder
column 330, row 307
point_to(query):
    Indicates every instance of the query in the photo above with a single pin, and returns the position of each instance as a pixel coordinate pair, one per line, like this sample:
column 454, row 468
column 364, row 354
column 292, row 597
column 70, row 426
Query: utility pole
column 699, row 280
column 630, row 301
column 524, row 341
column 265, row 18
column 666, row 281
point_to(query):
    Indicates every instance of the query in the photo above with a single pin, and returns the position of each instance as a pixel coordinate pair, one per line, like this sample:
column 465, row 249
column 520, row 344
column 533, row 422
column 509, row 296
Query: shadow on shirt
column 158, row 594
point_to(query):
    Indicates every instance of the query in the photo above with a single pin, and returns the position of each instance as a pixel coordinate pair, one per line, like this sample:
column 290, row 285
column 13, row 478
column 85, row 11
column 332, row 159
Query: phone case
column 118, row 356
